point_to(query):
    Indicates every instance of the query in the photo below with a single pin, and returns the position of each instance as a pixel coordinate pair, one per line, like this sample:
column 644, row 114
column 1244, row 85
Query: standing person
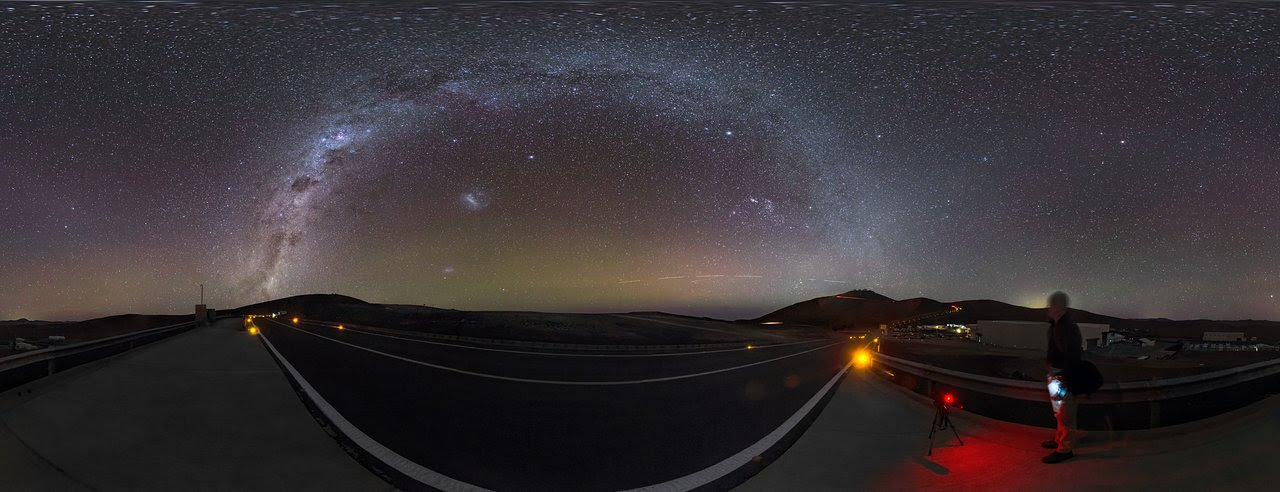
column 1064, row 352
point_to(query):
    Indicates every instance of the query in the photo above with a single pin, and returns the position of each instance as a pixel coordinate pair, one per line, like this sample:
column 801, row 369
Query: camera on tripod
column 943, row 401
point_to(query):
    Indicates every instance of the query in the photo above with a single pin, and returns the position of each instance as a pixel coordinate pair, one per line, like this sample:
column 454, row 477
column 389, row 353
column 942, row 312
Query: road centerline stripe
column 563, row 354
column 547, row 381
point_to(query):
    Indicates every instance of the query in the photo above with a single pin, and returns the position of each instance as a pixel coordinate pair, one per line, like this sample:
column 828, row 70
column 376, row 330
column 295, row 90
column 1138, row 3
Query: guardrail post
column 50, row 367
column 1155, row 413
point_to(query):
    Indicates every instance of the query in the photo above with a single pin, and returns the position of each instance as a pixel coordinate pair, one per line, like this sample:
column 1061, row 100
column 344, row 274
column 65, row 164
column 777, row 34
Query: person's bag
column 1083, row 378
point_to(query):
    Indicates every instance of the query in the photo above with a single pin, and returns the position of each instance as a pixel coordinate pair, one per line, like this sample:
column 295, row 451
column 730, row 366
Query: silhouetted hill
column 81, row 331
column 297, row 304
column 865, row 309
column 1267, row 331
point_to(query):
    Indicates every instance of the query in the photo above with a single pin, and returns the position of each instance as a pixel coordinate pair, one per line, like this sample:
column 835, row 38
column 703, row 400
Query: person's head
column 1057, row 305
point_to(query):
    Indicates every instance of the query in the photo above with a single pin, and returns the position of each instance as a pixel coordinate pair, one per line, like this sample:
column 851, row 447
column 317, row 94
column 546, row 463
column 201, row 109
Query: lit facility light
column 862, row 358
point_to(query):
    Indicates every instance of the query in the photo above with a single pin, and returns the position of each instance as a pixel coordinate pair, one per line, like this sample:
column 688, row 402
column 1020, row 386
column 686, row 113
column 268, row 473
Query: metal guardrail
column 19, row 369
column 1111, row 392
column 1118, row 404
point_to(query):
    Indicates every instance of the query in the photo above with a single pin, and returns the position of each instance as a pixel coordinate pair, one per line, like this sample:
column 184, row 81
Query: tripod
column 941, row 422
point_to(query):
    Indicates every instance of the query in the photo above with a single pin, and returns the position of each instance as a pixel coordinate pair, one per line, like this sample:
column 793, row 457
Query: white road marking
column 562, row 354
column 368, row 444
column 732, row 463
column 548, row 381
column 683, row 325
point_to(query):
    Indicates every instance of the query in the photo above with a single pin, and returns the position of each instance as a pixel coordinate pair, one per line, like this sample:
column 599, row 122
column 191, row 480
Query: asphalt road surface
column 464, row 416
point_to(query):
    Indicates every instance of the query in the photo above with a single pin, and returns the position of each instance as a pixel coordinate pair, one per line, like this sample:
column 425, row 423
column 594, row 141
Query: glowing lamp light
column 948, row 399
column 749, row 347
column 253, row 330
column 295, row 320
column 340, row 327
column 862, row 358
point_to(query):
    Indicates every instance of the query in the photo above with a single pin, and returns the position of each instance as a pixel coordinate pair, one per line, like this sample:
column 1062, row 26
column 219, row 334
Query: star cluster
column 710, row 159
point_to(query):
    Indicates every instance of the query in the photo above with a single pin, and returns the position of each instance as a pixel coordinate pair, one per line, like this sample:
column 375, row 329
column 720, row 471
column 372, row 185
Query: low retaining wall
column 17, row 370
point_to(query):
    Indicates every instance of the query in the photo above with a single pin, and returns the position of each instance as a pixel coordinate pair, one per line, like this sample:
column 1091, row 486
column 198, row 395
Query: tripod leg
column 933, row 428
column 956, row 432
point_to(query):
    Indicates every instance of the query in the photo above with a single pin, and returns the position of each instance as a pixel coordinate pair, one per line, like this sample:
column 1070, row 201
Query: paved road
column 506, row 418
column 203, row 410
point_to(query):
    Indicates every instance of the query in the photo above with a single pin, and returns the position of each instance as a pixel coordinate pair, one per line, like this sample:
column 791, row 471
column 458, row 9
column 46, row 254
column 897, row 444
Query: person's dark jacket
column 1065, row 343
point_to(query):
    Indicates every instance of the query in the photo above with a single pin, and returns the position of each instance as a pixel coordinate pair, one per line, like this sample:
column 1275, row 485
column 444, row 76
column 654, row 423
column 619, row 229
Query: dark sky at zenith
column 704, row 159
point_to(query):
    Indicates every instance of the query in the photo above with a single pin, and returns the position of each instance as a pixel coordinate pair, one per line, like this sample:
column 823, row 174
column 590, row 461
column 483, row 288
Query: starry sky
column 699, row 158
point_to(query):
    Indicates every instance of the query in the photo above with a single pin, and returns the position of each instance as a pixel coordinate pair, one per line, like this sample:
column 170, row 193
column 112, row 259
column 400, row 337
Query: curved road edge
column 408, row 475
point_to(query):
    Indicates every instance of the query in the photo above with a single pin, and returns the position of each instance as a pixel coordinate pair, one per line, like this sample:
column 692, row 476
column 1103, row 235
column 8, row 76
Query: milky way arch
column 413, row 96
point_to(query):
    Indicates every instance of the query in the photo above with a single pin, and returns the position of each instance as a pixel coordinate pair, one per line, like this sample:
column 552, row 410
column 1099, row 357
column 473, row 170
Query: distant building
column 1223, row 336
column 1032, row 334
column 1110, row 337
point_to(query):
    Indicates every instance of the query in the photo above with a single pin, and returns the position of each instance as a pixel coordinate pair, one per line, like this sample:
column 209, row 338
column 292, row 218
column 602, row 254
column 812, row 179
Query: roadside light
column 340, row 327
column 749, row 347
column 253, row 330
column 862, row 358
column 295, row 320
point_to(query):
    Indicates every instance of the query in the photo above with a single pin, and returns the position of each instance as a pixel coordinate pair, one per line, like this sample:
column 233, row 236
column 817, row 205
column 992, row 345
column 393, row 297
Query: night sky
column 702, row 159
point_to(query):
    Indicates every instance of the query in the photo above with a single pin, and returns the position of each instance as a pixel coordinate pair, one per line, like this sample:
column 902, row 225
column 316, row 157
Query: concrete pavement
column 206, row 410
column 873, row 436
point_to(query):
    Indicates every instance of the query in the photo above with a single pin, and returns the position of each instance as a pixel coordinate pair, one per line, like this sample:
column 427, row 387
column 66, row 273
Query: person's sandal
column 1057, row 457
